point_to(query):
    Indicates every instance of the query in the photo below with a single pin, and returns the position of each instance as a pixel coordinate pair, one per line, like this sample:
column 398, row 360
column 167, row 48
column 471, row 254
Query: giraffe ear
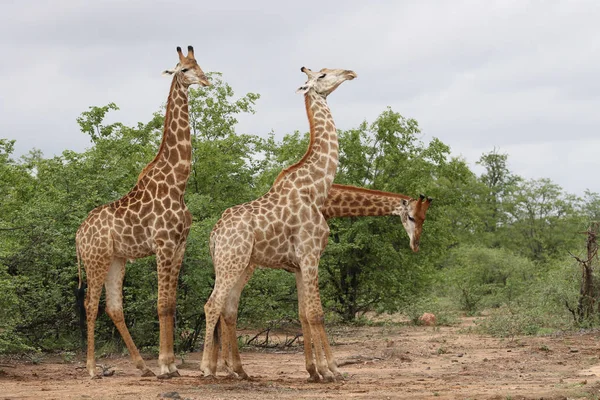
column 302, row 89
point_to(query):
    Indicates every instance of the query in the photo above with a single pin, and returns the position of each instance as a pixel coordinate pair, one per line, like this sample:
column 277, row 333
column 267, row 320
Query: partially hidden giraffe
column 151, row 219
column 284, row 229
column 343, row 201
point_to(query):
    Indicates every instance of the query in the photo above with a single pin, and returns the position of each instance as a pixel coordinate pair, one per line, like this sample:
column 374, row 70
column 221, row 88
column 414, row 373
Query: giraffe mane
column 357, row 189
column 162, row 142
column 297, row 165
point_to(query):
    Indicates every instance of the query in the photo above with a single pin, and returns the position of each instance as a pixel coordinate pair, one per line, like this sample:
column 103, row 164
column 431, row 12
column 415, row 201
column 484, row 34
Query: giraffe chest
column 282, row 237
column 139, row 233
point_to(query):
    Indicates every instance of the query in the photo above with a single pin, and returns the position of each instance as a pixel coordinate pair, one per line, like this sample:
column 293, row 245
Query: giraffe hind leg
column 114, row 309
column 96, row 274
column 234, row 266
column 229, row 345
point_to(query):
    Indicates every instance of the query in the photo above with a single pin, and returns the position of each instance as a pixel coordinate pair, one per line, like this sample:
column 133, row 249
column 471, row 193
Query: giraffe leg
column 331, row 361
column 226, row 361
column 114, row 309
column 308, row 354
column 229, row 345
column 96, row 273
column 212, row 311
column 329, row 357
column 173, row 282
column 168, row 270
column 314, row 313
column 229, row 272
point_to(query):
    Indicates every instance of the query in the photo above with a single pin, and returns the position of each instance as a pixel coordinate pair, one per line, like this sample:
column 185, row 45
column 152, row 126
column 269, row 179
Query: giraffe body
column 343, row 201
column 283, row 229
column 151, row 219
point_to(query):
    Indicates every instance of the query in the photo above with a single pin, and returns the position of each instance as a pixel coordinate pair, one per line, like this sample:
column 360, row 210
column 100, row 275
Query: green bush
column 480, row 277
column 542, row 307
column 10, row 316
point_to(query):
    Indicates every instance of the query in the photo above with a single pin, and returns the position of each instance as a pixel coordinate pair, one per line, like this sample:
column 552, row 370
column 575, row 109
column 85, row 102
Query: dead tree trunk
column 588, row 293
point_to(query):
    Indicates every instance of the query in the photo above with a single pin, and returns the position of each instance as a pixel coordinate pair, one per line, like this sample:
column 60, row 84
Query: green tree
column 480, row 277
column 544, row 220
column 498, row 183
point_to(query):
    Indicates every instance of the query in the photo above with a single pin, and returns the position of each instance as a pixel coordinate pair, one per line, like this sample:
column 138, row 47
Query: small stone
column 169, row 395
column 460, row 355
column 574, row 350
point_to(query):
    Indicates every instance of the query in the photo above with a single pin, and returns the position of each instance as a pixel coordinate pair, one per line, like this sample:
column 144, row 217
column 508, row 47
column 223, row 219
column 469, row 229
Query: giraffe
column 283, row 229
column 343, row 201
column 151, row 219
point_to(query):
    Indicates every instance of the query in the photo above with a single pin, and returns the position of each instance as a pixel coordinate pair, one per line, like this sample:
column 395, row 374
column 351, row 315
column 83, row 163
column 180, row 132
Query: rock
column 427, row 319
column 169, row 395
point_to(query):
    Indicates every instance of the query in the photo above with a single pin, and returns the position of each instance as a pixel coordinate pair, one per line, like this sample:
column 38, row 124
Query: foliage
column 480, row 277
column 544, row 220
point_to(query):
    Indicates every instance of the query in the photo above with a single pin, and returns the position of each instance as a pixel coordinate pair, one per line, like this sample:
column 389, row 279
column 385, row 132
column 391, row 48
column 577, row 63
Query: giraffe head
column 187, row 71
column 412, row 214
column 325, row 81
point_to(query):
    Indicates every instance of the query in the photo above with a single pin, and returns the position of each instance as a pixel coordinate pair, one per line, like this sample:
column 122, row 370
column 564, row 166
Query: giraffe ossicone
column 151, row 219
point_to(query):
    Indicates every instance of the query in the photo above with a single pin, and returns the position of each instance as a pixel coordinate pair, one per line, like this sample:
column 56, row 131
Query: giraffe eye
column 411, row 218
column 184, row 70
column 322, row 76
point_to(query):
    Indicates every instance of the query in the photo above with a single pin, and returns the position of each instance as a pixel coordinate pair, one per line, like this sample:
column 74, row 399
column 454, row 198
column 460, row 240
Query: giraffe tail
column 78, row 265
column 80, row 298
column 217, row 333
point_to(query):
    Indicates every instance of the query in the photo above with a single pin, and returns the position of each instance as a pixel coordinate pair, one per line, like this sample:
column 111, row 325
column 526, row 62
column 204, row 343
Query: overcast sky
column 521, row 76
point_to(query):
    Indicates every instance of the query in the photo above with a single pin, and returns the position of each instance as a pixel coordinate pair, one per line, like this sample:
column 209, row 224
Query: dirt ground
column 390, row 362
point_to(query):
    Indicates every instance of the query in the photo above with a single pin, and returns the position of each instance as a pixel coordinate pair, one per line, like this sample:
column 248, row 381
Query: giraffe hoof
column 314, row 378
column 209, row 378
column 96, row 377
column 243, row 376
column 339, row 377
column 164, row 376
column 174, row 374
column 148, row 372
column 328, row 378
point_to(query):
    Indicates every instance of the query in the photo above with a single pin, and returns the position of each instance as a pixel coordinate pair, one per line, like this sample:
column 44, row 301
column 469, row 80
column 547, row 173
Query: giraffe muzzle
column 350, row 75
column 204, row 81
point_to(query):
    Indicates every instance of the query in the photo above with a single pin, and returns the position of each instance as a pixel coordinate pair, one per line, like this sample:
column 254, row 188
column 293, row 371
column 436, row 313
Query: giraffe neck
column 351, row 201
column 318, row 166
column 175, row 152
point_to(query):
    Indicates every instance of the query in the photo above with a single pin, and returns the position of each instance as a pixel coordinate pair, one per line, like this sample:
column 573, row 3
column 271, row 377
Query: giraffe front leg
column 169, row 262
column 308, row 354
column 315, row 317
column 173, row 281
column 331, row 361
